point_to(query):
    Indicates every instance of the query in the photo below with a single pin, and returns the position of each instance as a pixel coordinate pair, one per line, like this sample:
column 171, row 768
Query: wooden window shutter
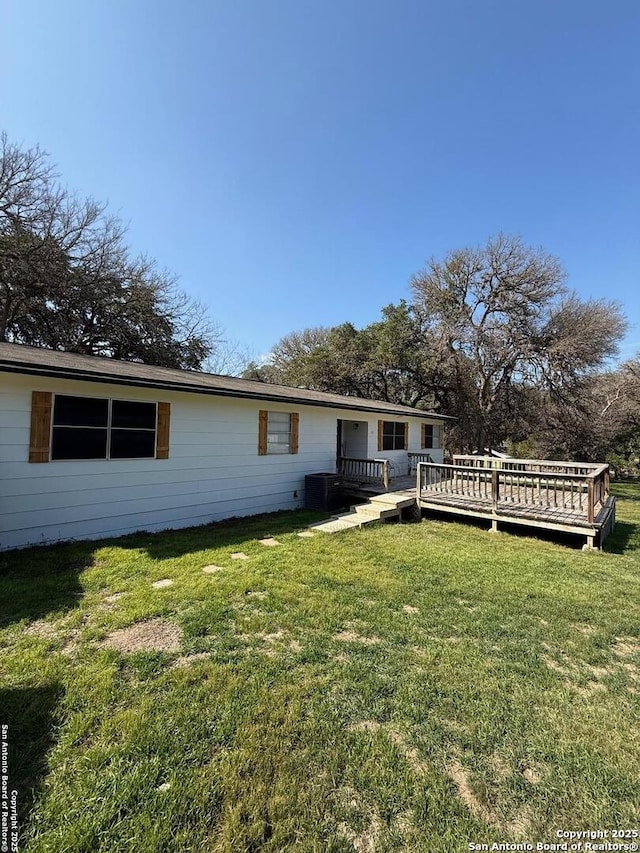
column 423, row 436
column 295, row 430
column 380, row 431
column 406, row 436
column 41, row 404
column 263, row 422
column 162, row 433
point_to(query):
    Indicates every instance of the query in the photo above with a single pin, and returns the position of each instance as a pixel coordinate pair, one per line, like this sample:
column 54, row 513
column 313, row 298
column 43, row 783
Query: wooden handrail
column 365, row 470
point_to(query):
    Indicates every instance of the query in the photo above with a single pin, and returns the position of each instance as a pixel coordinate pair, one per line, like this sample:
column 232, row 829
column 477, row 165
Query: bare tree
column 230, row 358
column 68, row 280
column 503, row 313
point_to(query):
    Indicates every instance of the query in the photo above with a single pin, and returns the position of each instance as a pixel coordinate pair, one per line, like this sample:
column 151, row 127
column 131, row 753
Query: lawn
column 415, row 686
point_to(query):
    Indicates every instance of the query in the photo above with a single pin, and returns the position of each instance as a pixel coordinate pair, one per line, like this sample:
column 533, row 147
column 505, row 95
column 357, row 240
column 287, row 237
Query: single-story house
column 93, row 447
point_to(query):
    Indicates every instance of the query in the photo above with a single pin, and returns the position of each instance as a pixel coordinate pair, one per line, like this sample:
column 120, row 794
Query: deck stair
column 378, row 508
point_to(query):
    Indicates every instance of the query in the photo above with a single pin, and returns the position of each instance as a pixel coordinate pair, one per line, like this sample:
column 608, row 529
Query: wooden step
column 389, row 499
column 376, row 512
column 337, row 523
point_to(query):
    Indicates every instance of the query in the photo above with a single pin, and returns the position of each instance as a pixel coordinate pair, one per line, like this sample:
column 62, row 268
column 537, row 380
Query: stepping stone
column 306, row 534
column 210, row 570
column 162, row 584
column 270, row 543
column 239, row 555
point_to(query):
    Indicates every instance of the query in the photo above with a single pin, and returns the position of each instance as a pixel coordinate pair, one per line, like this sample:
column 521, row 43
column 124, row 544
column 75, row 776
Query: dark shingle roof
column 16, row 358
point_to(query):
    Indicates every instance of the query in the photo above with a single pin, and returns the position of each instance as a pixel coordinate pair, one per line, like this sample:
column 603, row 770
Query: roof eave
column 114, row 379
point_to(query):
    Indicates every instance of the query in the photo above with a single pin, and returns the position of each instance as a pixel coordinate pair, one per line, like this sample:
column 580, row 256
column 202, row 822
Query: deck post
column 590, row 495
column 385, row 474
column 495, row 488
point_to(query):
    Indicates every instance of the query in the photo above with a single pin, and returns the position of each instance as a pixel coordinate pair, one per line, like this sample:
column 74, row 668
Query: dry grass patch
column 626, row 647
column 352, row 637
column 42, row 629
column 532, row 776
column 153, row 635
column 366, row 841
column 271, row 643
column 458, row 776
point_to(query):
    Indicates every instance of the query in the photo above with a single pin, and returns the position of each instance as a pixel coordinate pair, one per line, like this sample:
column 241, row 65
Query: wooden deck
column 561, row 496
column 568, row 497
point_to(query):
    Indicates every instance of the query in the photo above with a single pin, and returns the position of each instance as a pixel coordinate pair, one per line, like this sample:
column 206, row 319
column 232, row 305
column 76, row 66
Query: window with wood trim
column 278, row 433
column 431, row 437
column 393, row 435
column 97, row 428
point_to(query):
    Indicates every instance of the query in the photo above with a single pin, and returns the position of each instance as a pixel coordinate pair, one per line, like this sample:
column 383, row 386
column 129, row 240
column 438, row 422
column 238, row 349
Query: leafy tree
column 68, row 281
column 388, row 360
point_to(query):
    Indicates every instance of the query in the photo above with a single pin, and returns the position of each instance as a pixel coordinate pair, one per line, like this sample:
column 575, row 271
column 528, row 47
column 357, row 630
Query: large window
column 431, row 437
column 278, row 433
column 91, row 428
column 394, row 435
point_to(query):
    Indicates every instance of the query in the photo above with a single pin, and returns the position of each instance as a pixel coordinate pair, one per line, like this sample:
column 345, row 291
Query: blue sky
column 294, row 162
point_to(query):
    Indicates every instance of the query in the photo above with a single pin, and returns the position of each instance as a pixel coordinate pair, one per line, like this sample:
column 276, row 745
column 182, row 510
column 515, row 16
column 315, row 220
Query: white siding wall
column 213, row 470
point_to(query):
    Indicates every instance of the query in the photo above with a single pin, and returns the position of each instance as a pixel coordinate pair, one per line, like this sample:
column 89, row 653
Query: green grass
column 405, row 687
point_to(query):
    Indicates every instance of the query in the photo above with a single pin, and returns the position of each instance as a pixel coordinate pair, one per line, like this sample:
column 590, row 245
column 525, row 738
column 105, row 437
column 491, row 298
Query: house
column 93, row 447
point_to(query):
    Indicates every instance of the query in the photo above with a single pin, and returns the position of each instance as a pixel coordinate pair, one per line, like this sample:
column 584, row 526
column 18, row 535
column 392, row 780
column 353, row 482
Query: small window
column 393, row 435
column 90, row 428
column 277, row 433
column 432, row 439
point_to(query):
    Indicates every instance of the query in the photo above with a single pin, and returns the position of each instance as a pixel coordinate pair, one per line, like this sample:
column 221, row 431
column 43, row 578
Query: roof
column 17, row 358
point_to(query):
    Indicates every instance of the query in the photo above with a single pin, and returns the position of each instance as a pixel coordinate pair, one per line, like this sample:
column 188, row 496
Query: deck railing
column 528, row 486
column 364, row 470
column 543, row 466
column 414, row 458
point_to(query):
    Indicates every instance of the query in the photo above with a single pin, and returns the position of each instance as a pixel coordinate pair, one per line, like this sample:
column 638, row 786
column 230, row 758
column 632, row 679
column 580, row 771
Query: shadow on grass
column 37, row 581
column 29, row 713
column 231, row 532
column 624, row 538
column 522, row 531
